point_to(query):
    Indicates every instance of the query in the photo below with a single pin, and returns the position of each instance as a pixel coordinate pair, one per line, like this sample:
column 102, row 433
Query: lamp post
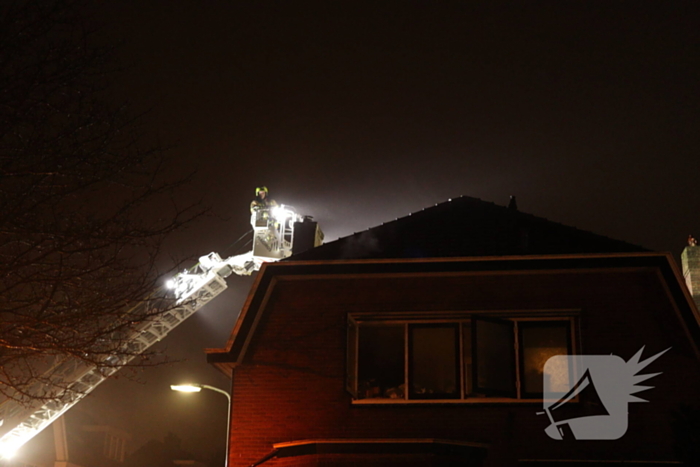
column 199, row 387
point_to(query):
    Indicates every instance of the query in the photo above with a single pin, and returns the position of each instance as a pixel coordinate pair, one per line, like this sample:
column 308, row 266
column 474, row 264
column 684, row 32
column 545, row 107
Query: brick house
column 422, row 342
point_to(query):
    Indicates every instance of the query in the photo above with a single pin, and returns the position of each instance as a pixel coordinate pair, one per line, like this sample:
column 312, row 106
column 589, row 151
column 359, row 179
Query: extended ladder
column 273, row 239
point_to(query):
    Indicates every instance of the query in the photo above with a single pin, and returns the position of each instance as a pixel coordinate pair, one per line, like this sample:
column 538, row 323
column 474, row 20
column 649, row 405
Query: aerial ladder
column 277, row 233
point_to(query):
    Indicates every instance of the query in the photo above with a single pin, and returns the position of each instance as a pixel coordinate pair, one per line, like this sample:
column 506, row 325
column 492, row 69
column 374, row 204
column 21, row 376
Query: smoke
column 360, row 246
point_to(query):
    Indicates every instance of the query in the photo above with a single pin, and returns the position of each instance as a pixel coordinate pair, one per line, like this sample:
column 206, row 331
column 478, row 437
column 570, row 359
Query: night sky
column 358, row 113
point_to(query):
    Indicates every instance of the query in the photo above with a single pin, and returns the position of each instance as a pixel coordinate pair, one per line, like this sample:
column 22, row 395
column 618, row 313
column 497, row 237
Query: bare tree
column 84, row 206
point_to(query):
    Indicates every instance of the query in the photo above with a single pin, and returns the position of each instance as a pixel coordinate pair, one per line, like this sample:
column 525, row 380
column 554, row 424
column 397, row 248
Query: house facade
column 387, row 359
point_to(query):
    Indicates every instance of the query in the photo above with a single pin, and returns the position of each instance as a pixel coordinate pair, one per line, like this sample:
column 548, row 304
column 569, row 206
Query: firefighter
column 262, row 203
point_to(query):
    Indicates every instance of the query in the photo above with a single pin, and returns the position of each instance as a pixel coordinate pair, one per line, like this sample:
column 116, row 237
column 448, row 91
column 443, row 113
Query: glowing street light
column 199, row 387
column 186, row 388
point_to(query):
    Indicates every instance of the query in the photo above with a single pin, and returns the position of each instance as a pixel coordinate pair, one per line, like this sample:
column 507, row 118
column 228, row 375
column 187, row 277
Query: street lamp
column 199, row 387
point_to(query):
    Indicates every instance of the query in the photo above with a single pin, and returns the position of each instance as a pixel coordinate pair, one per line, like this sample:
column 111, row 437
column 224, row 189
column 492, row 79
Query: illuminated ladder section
column 80, row 379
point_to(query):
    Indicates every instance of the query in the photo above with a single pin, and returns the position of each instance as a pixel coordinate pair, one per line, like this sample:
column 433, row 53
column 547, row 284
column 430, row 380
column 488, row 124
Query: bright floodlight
column 8, row 450
column 185, row 387
column 171, row 284
column 280, row 212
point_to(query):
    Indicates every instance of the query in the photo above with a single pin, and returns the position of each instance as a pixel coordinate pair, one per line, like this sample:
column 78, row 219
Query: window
column 433, row 352
column 461, row 359
column 381, row 361
column 540, row 340
column 114, row 447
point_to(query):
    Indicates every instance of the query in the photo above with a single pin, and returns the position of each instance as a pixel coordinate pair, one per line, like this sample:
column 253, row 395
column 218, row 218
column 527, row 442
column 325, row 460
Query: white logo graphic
column 605, row 384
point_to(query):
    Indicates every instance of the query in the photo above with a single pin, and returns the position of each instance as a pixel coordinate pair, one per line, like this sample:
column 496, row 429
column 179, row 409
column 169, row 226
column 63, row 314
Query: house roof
column 464, row 227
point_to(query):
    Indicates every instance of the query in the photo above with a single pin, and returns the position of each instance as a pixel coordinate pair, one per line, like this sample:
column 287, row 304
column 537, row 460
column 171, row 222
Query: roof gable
column 272, row 274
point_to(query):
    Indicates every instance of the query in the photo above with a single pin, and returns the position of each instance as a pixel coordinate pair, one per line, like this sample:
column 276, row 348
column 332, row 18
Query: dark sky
column 360, row 112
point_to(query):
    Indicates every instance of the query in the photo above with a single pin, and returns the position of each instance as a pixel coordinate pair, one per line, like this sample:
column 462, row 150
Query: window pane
column 351, row 382
column 467, row 356
column 494, row 351
column 539, row 341
column 434, row 366
column 381, row 361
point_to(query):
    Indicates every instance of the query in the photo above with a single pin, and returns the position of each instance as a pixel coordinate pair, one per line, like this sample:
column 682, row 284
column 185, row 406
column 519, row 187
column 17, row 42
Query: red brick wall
column 292, row 383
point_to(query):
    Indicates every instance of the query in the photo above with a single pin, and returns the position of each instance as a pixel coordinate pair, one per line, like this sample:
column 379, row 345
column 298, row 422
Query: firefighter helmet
column 259, row 189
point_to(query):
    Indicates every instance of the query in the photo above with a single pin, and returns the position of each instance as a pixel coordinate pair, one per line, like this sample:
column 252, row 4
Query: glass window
column 466, row 358
column 381, row 367
column 351, row 383
column 538, row 342
column 494, row 353
column 434, row 361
